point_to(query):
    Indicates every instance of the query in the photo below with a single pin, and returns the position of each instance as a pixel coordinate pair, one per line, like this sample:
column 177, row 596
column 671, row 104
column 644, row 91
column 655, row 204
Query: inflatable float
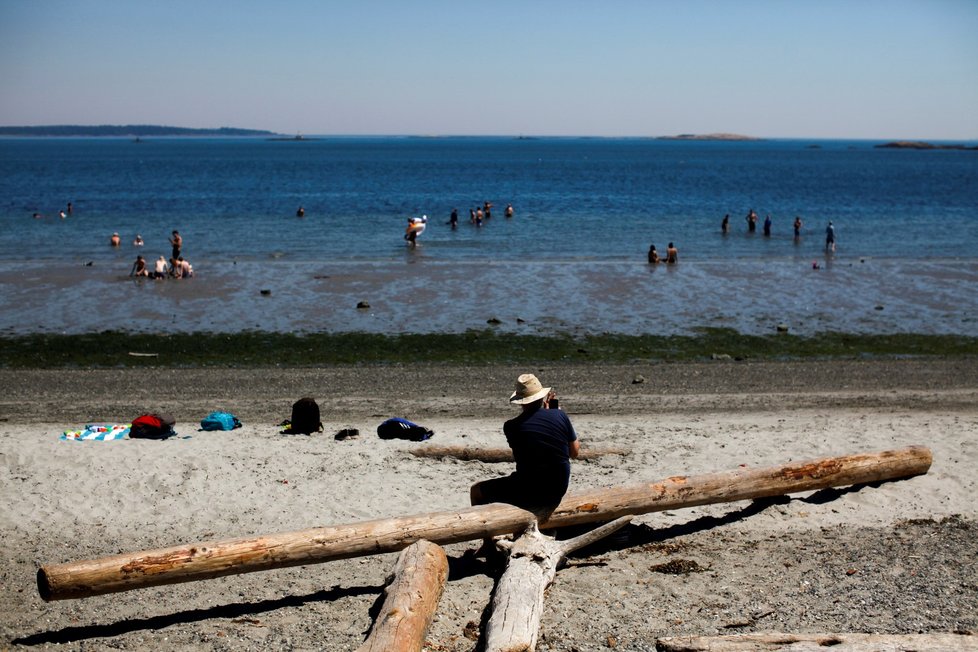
column 415, row 227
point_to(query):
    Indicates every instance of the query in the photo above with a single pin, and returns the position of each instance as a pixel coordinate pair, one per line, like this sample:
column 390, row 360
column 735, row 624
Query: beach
column 893, row 557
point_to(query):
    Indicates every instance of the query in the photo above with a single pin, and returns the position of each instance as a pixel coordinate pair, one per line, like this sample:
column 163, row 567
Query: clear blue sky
column 774, row 68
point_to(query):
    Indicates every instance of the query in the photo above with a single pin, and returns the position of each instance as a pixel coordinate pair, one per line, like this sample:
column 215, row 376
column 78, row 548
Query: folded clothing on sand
column 97, row 432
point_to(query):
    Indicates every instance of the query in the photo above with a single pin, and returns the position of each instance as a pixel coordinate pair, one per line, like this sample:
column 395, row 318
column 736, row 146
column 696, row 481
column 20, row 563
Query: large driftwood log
column 819, row 643
column 191, row 562
column 412, row 596
column 517, row 604
column 743, row 484
column 496, row 455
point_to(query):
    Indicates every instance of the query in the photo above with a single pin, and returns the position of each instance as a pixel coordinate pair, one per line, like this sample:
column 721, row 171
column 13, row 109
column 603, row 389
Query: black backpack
column 397, row 428
column 305, row 417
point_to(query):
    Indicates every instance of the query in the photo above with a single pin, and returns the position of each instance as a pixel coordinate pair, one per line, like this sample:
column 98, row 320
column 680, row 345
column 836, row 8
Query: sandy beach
column 897, row 557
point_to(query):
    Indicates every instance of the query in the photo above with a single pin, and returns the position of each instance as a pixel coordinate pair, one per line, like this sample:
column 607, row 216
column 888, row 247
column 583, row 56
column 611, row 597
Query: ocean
column 572, row 257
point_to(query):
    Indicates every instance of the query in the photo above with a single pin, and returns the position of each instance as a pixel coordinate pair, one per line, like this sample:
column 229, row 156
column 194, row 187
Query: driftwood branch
column 819, row 643
column 412, row 596
column 497, row 455
column 192, row 562
column 517, row 603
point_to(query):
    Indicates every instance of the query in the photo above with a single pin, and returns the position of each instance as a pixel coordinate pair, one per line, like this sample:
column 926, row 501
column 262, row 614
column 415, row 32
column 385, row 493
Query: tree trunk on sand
column 819, row 643
column 495, row 455
column 191, row 562
column 412, row 597
column 517, row 603
column 743, row 484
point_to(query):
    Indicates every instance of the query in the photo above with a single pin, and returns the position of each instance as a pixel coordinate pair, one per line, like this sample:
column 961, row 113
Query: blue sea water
column 574, row 198
column 572, row 259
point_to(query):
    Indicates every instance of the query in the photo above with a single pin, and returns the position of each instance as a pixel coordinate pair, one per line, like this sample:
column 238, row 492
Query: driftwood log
column 819, row 643
column 497, row 455
column 517, row 603
column 197, row 561
column 411, row 598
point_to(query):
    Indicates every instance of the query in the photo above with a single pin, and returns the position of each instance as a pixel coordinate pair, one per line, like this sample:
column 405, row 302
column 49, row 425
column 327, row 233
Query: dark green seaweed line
column 251, row 349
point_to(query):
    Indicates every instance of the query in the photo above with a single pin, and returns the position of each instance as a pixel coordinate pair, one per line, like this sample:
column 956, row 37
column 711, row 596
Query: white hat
column 528, row 389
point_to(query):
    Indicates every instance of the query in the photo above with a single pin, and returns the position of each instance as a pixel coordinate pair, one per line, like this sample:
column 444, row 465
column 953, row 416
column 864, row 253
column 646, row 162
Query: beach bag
column 397, row 428
column 220, row 421
column 305, row 417
column 152, row 426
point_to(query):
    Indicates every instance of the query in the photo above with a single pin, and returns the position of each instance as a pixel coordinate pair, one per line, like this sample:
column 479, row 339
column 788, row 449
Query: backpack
column 397, row 428
column 152, row 426
column 220, row 421
column 305, row 417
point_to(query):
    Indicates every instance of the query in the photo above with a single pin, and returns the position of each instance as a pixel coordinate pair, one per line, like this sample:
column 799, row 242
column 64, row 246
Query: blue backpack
column 220, row 421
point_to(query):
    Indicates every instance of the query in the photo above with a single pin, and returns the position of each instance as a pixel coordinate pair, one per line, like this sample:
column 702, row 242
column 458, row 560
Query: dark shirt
column 540, row 441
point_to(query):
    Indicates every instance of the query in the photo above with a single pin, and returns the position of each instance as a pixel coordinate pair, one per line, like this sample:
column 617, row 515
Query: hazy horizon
column 869, row 70
column 746, row 137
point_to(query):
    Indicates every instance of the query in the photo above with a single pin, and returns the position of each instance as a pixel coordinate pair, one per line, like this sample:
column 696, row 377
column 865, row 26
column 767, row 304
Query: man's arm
column 575, row 448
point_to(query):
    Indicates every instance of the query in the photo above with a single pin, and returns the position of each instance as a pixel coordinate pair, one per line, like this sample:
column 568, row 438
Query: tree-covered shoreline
column 135, row 131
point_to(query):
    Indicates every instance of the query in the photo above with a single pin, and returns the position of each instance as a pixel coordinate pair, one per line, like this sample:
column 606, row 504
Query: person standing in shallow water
column 767, row 226
column 176, row 242
column 830, row 238
column 797, row 226
column 725, row 224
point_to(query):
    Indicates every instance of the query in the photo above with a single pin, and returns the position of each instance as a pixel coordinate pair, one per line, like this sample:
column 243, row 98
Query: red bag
column 152, row 426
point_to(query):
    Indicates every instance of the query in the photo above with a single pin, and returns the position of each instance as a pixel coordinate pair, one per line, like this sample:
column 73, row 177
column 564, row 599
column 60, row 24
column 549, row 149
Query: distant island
column 294, row 138
column 136, row 131
column 916, row 144
column 708, row 137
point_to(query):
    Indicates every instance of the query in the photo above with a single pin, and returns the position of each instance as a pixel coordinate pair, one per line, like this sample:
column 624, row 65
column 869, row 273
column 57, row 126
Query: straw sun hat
column 528, row 389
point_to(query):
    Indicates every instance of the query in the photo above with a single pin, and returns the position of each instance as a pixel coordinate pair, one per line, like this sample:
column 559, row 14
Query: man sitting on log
column 543, row 441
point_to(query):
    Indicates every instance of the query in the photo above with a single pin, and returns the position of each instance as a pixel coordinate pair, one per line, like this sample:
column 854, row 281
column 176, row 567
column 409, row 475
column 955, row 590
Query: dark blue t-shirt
column 540, row 441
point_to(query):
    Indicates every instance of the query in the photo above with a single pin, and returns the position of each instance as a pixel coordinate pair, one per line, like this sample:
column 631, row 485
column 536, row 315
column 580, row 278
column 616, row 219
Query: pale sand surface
column 900, row 557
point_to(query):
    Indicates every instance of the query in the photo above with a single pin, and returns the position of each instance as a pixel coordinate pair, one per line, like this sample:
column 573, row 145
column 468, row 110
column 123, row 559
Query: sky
column 875, row 69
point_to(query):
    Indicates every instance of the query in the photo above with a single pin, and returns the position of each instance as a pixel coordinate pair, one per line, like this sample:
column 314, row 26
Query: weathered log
column 411, row 598
column 819, row 643
column 496, row 455
column 517, row 603
column 743, row 484
column 191, row 562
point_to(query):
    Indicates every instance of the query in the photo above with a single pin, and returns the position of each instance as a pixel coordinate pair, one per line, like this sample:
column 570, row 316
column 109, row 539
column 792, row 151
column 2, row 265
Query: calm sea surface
column 574, row 199
column 572, row 257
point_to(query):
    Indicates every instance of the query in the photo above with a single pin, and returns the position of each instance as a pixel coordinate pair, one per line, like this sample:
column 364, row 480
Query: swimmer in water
column 139, row 267
column 653, row 255
column 672, row 254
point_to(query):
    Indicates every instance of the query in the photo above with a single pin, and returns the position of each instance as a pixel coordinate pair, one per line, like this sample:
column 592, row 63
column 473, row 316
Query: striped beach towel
column 97, row 432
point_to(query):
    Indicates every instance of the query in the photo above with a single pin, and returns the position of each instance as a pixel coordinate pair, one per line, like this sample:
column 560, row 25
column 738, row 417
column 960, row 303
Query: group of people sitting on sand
column 175, row 268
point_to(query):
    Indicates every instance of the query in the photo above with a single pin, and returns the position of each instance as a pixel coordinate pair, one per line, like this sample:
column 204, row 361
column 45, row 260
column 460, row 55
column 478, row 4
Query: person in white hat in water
column 543, row 442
